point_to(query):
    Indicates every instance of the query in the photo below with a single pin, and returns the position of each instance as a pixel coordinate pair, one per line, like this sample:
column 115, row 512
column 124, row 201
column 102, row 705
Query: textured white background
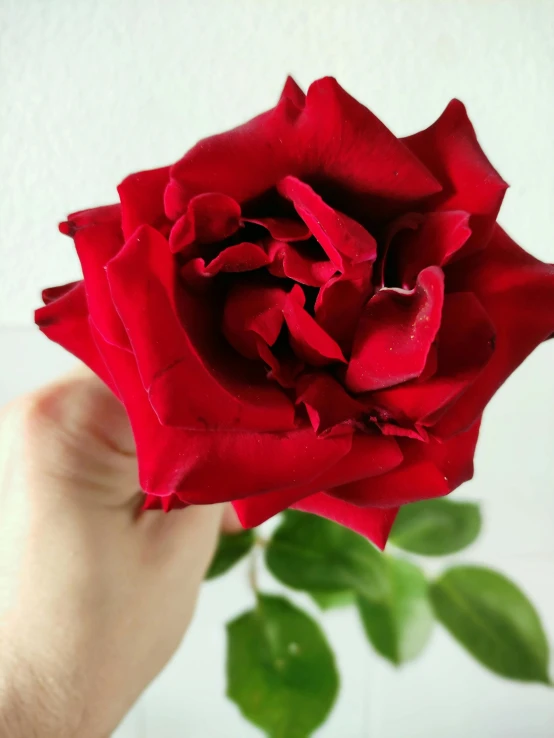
column 94, row 89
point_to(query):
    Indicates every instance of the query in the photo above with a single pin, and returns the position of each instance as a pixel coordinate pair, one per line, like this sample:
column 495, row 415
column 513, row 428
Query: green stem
column 253, row 573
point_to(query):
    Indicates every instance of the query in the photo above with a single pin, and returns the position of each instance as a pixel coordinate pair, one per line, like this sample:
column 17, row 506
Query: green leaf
column 400, row 626
column 436, row 527
column 230, row 550
column 332, row 600
column 280, row 669
column 494, row 621
column 316, row 555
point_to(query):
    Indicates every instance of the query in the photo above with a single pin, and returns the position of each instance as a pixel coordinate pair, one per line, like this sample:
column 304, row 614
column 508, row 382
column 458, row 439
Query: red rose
column 306, row 311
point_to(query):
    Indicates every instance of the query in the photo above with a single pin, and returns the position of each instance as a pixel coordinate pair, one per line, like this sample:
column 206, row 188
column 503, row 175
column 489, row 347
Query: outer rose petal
column 167, row 503
column 372, row 522
column 517, row 291
column 450, row 149
column 294, row 93
column 429, row 470
column 141, row 196
column 331, row 139
column 395, row 334
column 96, row 244
column 168, row 358
column 53, row 293
column 103, row 215
column 369, row 456
column 214, row 466
column 65, row 320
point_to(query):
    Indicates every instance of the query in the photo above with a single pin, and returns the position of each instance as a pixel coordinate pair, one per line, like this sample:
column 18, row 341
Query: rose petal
column 93, row 216
column 217, row 466
column 372, row 522
column 210, row 217
column 332, row 138
column 449, row 148
column 166, row 503
column 142, row 280
column 64, row 319
column 465, row 344
column 294, row 93
column 50, row 294
column 340, row 302
column 339, row 235
column 308, row 340
column 284, row 369
column 253, row 511
column 395, row 334
column 428, row 470
column 243, row 163
column 244, row 257
column 300, row 263
column 326, row 401
column 517, row 292
column 142, row 202
column 282, row 229
column 96, row 244
column 368, row 457
column 252, row 312
column 370, row 172
column 272, row 460
column 412, row 481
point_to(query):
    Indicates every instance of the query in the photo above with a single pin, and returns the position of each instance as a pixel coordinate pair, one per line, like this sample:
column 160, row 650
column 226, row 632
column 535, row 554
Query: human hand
column 95, row 596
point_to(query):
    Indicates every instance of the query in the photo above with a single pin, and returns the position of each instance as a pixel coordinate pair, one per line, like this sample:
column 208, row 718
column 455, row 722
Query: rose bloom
column 306, row 311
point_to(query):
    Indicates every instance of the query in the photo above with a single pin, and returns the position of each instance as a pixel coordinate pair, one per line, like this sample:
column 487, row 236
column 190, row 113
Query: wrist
column 35, row 704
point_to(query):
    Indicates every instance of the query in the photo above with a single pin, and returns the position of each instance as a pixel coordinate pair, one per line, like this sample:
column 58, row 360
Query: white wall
column 93, row 89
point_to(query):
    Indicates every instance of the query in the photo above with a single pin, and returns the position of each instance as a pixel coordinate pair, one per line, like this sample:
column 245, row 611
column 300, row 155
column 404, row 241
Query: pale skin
column 95, row 596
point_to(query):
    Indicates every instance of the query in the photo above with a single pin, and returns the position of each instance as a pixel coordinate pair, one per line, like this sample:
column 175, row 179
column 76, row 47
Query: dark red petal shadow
column 429, row 239
column 451, row 151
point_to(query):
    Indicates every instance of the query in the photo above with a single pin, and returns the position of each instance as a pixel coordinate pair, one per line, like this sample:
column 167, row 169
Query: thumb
column 77, row 434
